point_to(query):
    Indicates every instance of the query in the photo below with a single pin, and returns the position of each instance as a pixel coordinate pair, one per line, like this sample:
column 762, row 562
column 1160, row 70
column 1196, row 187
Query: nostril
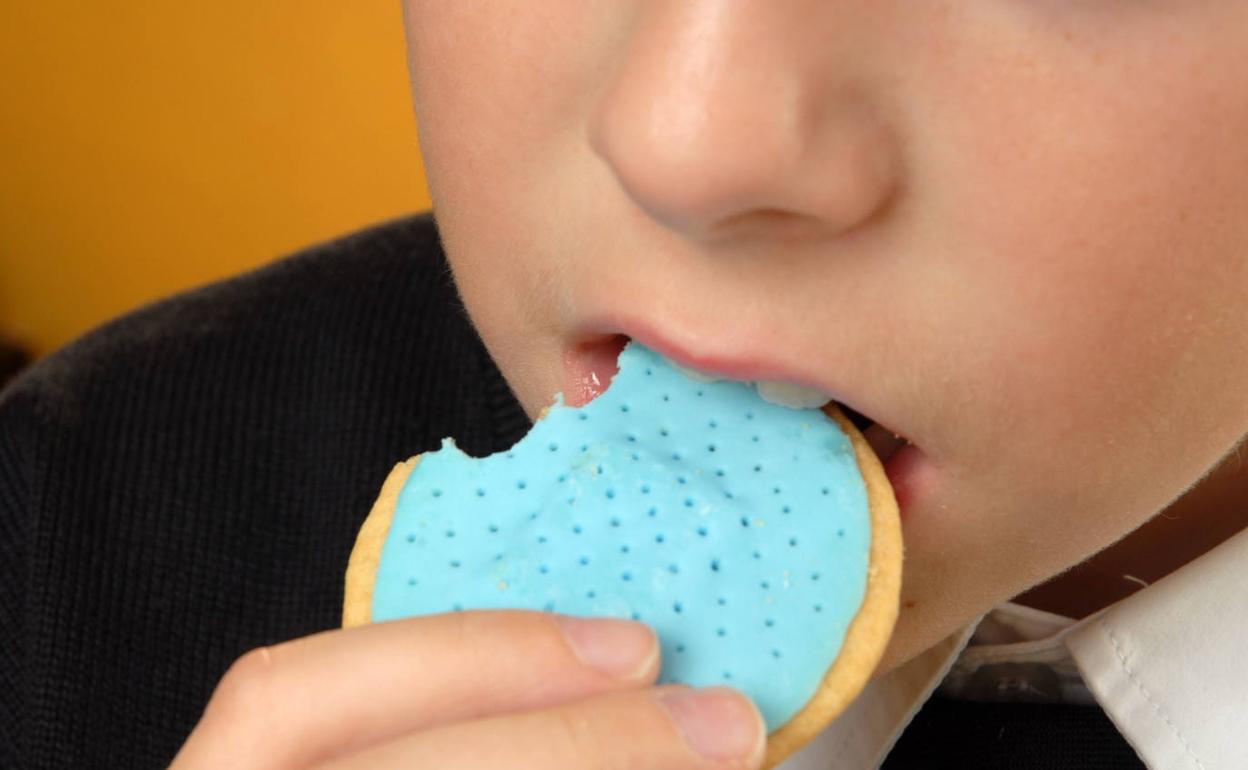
column 774, row 223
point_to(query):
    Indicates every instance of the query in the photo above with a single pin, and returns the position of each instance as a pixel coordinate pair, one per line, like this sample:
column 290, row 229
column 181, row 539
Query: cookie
column 761, row 542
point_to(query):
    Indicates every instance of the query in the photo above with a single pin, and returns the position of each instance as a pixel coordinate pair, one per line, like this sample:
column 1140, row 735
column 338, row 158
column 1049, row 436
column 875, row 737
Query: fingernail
column 717, row 722
column 619, row 648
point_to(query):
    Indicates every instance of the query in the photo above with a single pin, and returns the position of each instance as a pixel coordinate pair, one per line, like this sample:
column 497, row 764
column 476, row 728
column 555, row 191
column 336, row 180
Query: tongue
column 599, row 363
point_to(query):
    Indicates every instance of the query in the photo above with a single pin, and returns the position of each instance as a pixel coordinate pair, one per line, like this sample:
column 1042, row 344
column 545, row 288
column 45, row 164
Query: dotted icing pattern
column 737, row 528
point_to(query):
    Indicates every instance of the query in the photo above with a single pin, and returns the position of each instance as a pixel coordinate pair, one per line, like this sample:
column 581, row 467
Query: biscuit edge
column 357, row 600
column 871, row 628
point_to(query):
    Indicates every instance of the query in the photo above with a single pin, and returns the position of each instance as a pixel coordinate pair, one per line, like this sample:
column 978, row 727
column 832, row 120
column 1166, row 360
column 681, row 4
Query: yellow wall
column 152, row 145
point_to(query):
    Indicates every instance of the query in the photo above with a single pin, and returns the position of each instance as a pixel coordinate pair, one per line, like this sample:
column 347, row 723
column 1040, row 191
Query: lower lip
column 909, row 471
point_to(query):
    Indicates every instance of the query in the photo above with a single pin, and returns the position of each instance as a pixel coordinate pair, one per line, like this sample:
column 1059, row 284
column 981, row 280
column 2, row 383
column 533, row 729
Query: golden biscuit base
column 864, row 642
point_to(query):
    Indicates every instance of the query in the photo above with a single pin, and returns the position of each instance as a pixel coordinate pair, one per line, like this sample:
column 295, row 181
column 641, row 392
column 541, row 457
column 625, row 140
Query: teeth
column 694, row 374
column 788, row 394
column 780, row 393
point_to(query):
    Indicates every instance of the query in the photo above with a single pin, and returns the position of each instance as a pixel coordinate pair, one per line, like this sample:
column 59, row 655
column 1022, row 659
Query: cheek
column 497, row 86
column 1103, row 292
column 500, row 88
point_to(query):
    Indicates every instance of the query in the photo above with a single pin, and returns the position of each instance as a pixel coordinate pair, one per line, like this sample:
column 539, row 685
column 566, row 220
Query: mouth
column 591, row 364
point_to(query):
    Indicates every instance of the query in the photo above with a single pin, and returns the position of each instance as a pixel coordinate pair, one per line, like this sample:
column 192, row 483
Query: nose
column 731, row 117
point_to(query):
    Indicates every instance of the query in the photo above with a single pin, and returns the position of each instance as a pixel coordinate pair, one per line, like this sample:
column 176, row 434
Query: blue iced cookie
column 761, row 542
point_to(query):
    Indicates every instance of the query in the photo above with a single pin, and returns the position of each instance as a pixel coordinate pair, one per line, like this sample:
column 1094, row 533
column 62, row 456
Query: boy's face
column 1014, row 232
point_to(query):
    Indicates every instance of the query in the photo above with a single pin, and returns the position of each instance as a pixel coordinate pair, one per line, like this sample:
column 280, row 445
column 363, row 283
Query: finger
column 338, row 691
column 663, row 728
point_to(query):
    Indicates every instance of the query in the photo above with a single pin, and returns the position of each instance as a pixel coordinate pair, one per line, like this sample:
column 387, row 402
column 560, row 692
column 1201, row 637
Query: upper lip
column 727, row 355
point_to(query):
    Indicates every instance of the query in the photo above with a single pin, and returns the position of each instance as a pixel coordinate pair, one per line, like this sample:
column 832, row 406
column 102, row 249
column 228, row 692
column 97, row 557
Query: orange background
column 147, row 147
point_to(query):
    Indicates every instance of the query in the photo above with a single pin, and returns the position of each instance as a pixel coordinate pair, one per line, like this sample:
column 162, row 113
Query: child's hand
column 489, row 689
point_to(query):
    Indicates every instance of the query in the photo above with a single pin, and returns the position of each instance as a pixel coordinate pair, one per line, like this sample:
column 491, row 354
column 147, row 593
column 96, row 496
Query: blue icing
column 737, row 528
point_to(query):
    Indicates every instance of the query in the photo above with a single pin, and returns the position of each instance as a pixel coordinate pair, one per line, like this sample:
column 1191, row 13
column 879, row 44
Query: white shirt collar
column 1169, row 664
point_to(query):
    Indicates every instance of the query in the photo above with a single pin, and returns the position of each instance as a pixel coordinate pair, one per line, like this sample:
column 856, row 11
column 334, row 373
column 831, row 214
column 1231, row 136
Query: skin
column 463, row 691
column 1014, row 228
column 1018, row 226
